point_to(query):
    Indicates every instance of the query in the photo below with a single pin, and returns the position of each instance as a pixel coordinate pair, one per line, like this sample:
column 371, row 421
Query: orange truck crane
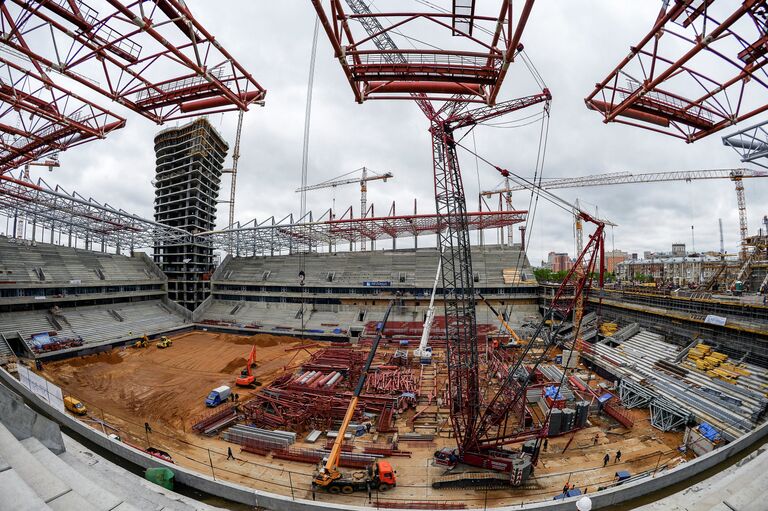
column 247, row 379
column 380, row 475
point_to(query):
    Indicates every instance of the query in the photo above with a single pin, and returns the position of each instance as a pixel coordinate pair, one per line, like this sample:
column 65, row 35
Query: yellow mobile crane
column 504, row 323
column 380, row 475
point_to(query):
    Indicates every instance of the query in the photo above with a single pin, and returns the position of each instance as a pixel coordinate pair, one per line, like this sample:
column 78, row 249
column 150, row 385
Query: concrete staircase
column 33, row 478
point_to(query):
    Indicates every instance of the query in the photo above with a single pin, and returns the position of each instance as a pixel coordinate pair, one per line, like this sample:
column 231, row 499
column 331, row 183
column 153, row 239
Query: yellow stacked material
column 712, row 360
column 695, row 354
column 712, row 374
column 510, row 275
column 703, row 348
column 726, row 372
column 722, row 357
column 608, row 329
column 723, row 375
column 703, row 365
column 741, row 370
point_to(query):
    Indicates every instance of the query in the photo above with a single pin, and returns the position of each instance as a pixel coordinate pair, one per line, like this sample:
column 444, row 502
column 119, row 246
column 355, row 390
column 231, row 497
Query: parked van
column 218, row 396
column 75, row 406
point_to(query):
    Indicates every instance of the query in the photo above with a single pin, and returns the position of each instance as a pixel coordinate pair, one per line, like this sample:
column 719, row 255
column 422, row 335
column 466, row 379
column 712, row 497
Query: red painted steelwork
column 375, row 68
column 153, row 57
column 38, row 118
column 691, row 75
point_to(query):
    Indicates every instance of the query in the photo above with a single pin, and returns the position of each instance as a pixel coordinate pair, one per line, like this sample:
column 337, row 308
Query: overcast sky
column 573, row 43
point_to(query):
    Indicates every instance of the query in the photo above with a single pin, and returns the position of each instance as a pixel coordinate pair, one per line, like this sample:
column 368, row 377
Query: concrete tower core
column 189, row 163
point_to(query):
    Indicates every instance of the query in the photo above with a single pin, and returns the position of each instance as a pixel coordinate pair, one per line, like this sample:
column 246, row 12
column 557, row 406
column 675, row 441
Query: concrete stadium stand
column 254, row 497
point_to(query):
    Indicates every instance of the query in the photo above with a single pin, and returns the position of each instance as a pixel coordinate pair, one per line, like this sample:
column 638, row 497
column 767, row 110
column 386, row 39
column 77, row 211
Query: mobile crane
column 380, row 474
column 424, row 351
column 247, row 379
column 500, row 317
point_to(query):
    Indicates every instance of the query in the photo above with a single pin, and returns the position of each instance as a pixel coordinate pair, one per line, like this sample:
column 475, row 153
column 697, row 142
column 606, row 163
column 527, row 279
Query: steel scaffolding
column 56, row 212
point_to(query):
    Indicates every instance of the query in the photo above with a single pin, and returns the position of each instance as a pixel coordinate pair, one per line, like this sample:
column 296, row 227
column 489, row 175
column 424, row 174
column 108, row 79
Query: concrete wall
column 23, row 423
column 250, row 496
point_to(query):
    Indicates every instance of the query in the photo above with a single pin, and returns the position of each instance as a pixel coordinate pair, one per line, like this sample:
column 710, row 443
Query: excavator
column 142, row 343
column 379, row 475
column 247, row 379
column 516, row 340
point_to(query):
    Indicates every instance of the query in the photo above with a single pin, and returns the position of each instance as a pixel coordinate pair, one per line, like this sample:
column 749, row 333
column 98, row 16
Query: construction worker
column 597, row 437
column 566, row 488
column 147, row 428
column 606, row 459
column 618, row 456
column 545, row 444
column 230, row 456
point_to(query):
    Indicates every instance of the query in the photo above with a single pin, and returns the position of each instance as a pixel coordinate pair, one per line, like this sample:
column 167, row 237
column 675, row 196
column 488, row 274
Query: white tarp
column 44, row 389
column 715, row 320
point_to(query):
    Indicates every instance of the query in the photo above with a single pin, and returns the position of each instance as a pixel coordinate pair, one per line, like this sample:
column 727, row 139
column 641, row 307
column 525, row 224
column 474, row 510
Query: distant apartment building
column 678, row 249
column 614, row 257
column 678, row 270
column 559, row 261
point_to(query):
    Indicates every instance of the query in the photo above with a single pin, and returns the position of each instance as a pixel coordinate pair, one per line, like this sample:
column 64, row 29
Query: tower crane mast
column 363, row 180
column 479, row 427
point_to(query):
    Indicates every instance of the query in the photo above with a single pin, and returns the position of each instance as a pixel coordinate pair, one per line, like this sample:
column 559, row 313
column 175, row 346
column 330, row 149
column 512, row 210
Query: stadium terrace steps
column 415, row 267
column 46, row 485
column 19, row 260
column 6, row 352
column 32, row 478
column 94, row 324
column 135, row 492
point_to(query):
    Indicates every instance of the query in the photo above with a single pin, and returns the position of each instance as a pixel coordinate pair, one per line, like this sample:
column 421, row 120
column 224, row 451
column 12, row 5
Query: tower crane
column 233, row 173
column 619, row 178
column 342, row 180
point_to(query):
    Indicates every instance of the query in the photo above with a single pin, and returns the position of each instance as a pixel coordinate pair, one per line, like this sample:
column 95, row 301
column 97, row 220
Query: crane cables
column 304, row 164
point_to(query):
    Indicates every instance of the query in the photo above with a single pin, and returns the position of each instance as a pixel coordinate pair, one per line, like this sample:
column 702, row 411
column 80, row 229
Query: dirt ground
column 167, row 388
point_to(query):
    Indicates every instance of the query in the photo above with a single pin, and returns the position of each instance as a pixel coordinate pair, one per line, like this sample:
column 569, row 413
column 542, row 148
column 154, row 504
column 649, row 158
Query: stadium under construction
column 398, row 361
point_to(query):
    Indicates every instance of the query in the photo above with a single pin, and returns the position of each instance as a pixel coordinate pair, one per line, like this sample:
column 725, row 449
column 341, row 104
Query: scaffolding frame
column 634, row 395
column 668, row 416
column 55, row 210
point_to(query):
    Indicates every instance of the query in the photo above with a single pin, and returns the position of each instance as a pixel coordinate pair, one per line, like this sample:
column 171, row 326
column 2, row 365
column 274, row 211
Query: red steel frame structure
column 690, row 75
column 52, row 210
column 377, row 69
column 272, row 236
column 457, row 78
column 37, row 117
column 153, row 57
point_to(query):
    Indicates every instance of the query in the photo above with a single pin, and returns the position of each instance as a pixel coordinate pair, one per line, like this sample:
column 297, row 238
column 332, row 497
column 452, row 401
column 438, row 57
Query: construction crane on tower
column 342, row 180
column 377, row 69
column 619, row 178
column 233, row 170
